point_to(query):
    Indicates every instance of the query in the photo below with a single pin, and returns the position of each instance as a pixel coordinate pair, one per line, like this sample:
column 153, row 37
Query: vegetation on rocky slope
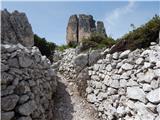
column 139, row 37
column 46, row 48
column 96, row 41
column 64, row 47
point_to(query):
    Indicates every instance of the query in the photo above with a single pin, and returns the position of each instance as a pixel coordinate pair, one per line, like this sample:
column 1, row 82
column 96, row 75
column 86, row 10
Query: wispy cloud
column 119, row 12
column 113, row 19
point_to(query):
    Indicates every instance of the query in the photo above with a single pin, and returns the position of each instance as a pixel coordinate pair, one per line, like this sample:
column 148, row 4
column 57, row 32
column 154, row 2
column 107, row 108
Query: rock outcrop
column 86, row 26
column 72, row 30
column 15, row 28
column 101, row 29
column 82, row 27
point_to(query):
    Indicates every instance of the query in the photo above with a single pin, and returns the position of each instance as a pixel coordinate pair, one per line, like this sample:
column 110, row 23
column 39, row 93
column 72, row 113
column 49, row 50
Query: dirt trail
column 69, row 105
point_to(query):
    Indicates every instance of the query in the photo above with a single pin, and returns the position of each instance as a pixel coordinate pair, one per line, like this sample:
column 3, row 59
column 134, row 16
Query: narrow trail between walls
column 69, row 105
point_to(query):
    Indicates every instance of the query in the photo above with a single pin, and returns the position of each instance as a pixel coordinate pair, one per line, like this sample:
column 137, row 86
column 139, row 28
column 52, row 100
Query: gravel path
column 69, row 105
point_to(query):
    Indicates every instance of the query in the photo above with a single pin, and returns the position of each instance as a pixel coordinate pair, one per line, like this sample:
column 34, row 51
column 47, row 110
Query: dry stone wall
column 126, row 85
column 28, row 84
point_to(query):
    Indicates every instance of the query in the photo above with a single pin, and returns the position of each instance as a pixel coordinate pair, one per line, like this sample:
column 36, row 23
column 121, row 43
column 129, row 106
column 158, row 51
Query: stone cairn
column 126, row 85
column 28, row 82
column 82, row 27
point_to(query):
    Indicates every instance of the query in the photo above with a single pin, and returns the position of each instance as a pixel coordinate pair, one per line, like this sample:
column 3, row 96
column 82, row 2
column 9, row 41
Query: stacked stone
column 66, row 64
column 73, row 63
column 27, row 84
column 126, row 85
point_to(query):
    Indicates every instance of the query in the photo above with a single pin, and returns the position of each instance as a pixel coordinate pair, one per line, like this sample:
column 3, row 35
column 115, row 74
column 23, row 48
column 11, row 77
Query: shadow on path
column 63, row 108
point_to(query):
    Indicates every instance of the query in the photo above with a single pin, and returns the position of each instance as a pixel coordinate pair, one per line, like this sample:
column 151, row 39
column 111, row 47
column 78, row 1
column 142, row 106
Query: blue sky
column 49, row 19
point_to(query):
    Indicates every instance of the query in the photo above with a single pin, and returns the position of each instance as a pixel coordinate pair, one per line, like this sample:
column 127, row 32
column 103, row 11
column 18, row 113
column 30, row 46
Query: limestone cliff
column 15, row 29
column 86, row 26
column 72, row 30
column 82, row 27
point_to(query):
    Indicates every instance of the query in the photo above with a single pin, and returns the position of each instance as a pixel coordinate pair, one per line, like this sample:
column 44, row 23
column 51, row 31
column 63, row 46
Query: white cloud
column 119, row 12
column 113, row 19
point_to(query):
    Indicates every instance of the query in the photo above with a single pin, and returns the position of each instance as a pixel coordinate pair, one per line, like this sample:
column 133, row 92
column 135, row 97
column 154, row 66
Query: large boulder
column 16, row 29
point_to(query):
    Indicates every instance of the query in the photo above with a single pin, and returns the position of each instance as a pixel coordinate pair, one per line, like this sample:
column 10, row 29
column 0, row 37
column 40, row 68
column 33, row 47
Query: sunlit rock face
column 86, row 26
column 82, row 26
column 72, row 30
column 15, row 29
column 101, row 29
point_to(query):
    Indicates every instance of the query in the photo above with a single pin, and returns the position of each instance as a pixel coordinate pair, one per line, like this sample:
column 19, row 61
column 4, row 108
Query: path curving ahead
column 69, row 105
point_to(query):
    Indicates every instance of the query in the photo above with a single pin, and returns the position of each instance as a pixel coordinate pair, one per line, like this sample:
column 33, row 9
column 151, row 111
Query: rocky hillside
column 82, row 27
column 123, row 85
column 28, row 83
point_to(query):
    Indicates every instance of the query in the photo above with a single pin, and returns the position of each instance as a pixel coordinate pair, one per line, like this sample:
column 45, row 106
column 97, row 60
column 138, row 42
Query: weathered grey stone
column 136, row 93
column 7, row 115
column 101, row 29
column 158, row 108
column 154, row 96
column 81, row 60
column 6, row 78
column 25, row 118
column 23, row 99
column 124, row 54
column 127, row 66
column 91, row 98
column 86, row 26
column 27, row 108
column 139, row 61
column 123, row 83
column 143, row 112
column 9, row 102
column 147, row 87
column 147, row 77
column 13, row 63
column 115, row 84
column 4, row 67
column 25, row 61
column 16, row 28
column 94, row 56
column 115, row 55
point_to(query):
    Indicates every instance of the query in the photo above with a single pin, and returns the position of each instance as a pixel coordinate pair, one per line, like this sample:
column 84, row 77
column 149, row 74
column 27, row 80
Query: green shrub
column 96, row 41
column 46, row 48
column 139, row 37
column 64, row 47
